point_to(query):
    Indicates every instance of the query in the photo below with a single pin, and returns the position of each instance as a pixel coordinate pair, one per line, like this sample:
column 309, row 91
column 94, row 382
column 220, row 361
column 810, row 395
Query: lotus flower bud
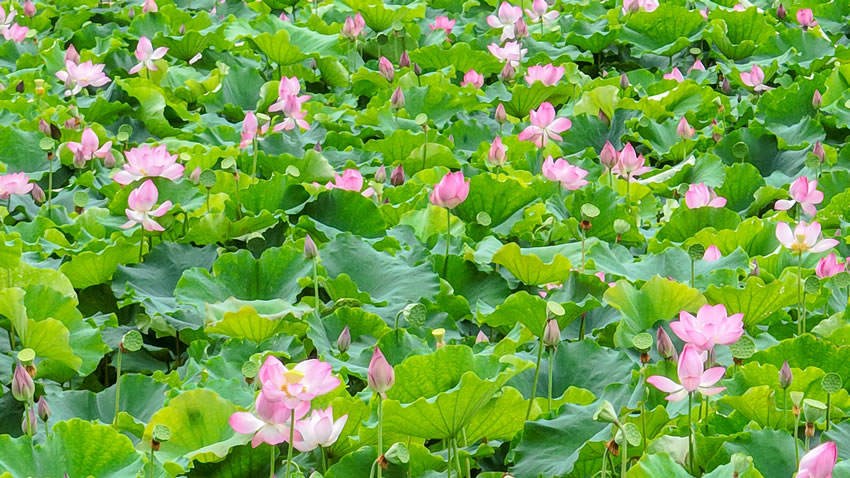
column 754, row 268
column 417, row 70
column 780, row 12
column 624, row 81
column 725, row 86
column 497, row 153
column 521, row 28
column 608, row 156
column 29, row 425
column 404, row 61
column 37, row 193
column 344, row 340
column 29, row 8
column 665, row 346
column 818, row 151
column 381, row 376
column 817, row 100
column 715, row 135
column 44, row 127
column 381, row 174
column 501, row 115
column 684, row 129
column 397, row 176
column 23, row 388
column 508, row 73
column 109, row 160
column 310, row 249
column 552, row 333
column 481, row 338
column 785, row 376
column 386, row 69
column 603, row 118
column 195, row 177
column 439, row 336
column 397, row 99
column 317, row 147
column 43, row 409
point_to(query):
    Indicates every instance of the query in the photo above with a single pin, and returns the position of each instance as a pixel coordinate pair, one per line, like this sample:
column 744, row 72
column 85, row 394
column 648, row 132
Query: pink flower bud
column 397, row 99
column 29, row 425
column 43, row 409
column 552, row 333
column 608, row 156
column 404, row 61
column 817, row 100
column 818, row 462
column 780, row 12
column 725, row 86
column 397, row 176
column 497, row 153
column 195, row 177
column 501, row 115
column 386, row 69
column 29, row 8
column 44, row 127
column 785, row 375
column 481, row 338
column 664, row 345
column 521, row 28
column 603, row 118
column 310, row 249
column 381, row 376
column 109, row 159
column 507, row 74
column 344, row 340
column 417, row 70
column 684, row 129
column 818, row 151
column 37, row 193
column 624, row 81
column 381, row 174
column 23, row 388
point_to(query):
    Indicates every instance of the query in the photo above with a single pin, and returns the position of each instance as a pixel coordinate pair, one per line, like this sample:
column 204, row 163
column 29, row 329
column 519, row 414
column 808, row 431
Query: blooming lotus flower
column 141, row 210
column 77, row 77
column 754, row 78
column 473, row 78
column 350, row 180
column 700, row 195
column 630, row 165
column 692, row 377
column 147, row 162
column 818, row 462
column 9, row 29
column 147, row 55
column 295, row 387
column 450, row 191
column 497, row 154
column 697, row 66
column 14, row 183
column 674, row 75
column 684, row 130
column 571, row 177
column 506, row 18
column 804, row 192
column 150, row 6
column 443, row 23
column 631, row 6
column 353, row 26
column 381, row 376
column 293, row 115
column 712, row 254
column 549, row 75
column 711, row 326
column 829, row 266
column 539, row 12
column 250, row 129
column 87, row 149
column 267, row 426
column 544, row 125
column 286, row 88
column 805, row 237
column 510, row 53
column 319, row 430
column 806, row 18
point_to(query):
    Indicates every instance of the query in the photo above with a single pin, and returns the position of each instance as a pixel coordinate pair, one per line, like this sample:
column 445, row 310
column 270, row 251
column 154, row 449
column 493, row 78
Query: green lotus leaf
column 761, row 445
column 657, row 465
column 664, row 31
column 738, row 34
column 499, row 196
column 141, row 396
column 807, row 351
column 592, row 36
column 460, row 55
column 341, row 210
column 365, row 329
column 686, row 222
column 525, row 98
column 246, row 323
column 531, row 265
column 742, row 182
column 278, row 48
column 91, row 268
column 756, row 300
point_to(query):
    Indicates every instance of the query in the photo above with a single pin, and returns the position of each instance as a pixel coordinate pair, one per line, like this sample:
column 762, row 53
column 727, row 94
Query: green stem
column 800, row 330
column 690, row 431
column 629, row 193
column 611, row 185
column 291, row 440
column 380, row 432
column 828, row 400
column 796, row 444
column 151, row 463
column 643, row 424
column 536, row 373
column 448, row 240
column 324, row 460
column 785, row 408
column 117, row 386
column 27, row 413
column 316, row 285
column 254, row 165
column 11, row 336
column 49, row 187
column 581, row 328
column 208, row 200
column 449, row 458
column 142, row 244
column 271, row 461
column 625, row 461
column 466, row 444
column 693, row 273
column 583, row 236
column 604, row 462
column 551, row 368
column 457, row 456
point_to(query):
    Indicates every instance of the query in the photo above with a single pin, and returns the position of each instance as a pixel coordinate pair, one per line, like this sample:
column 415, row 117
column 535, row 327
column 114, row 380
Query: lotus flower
column 549, row 75
column 450, row 191
column 608, row 156
column 77, row 77
column 805, row 193
column 141, row 210
column 250, row 130
column 684, row 130
column 381, row 376
column 806, row 18
column 147, row 55
column 353, row 26
column 571, row 177
column 293, row 115
column 511, row 53
column 319, row 429
column 711, row 326
column 14, row 183
column 674, row 75
column 631, row 6
column 287, row 88
column 150, row 6
column 297, row 386
column 9, row 29
column 350, row 180
column 712, row 254
column 473, row 78
column 829, row 266
column 443, row 23
column 806, row 237
column 630, row 165
column 697, row 66
column 147, row 162
column 754, row 78
column 506, row 18
column 23, row 388
column 87, row 149
column 818, row 462
column 539, row 12
column 544, row 125
column 267, row 426
column 692, row 377
column 71, row 54
column 700, row 195
column 497, row 154
column 386, row 69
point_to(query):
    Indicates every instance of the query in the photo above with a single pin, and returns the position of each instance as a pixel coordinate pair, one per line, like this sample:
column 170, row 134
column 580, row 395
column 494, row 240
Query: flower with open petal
column 629, row 164
column 674, row 75
column 571, row 177
column 87, row 149
column 269, row 425
column 320, row 429
column 692, row 377
column 818, row 462
column 141, row 207
column 511, row 53
column 296, row 386
column 711, row 326
column 806, row 237
column 147, row 162
column 350, row 180
column 754, row 78
column 829, row 266
column 473, row 78
column 450, row 191
column 549, row 75
column 806, row 18
column 539, row 12
column 147, row 55
column 14, row 183
column 544, row 125
column 443, row 23
column 700, row 195
column 805, row 193
column 250, row 130
column 78, row 76
column 506, row 18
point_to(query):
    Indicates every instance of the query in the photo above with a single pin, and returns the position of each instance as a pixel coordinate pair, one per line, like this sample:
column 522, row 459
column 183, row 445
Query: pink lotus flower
column 803, row 192
column 87, row 149
column 754, row 78
column 473, row 78
column 497, row 155
column 697, row 66
column 548, row 289
column 150, row 6
column 710, row 327
column 539, row 12
column 147, row 55
column 350, row 180
column 739, row 8
column 297, row 386
column 549, row 75
column 544, row 125
column 319, row 430
column 691, row 376
column 443, row 23
column 510, row 53
column 450, row 191
column 77, row 77
column 805, row 237
column 386, row 69
column 268, row 425
column 9, row 29
column 818, row 462
column 29, row 8
column 14, row 183
column 506, row 18
column 629, row 165
column 250, row 130
column 674, row 75
column 293, row 115
column 286, row 88
column 72, row 55
column 632, row 6
column 684, row 130
column 700, row 195
column 829, row 266
column 381, row 376
column 712, row 254
column 141, row 210
column 806, row 18
column 147, row 162
column 571, row 177
column 608, row 156
column 353, row 26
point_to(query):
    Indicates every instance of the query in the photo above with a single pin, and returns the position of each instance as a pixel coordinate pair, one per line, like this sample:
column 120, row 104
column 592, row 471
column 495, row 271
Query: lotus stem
column 828, row 400
column 380, row 433
column 583, row 237
column 796, row 445
column 271, row 461
column 536, row 373
column 466, row 444
column 551, row 369
column 289, row 451
column 625, row 460
column 27, row 413
column 690, row 432
column 800, row 317
column 254, row 164
column 316, row 286
column 324, row 460
column 785, row 408
column 448, row 240
column 118, row 385
column 151, row 462
column 604, row 462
